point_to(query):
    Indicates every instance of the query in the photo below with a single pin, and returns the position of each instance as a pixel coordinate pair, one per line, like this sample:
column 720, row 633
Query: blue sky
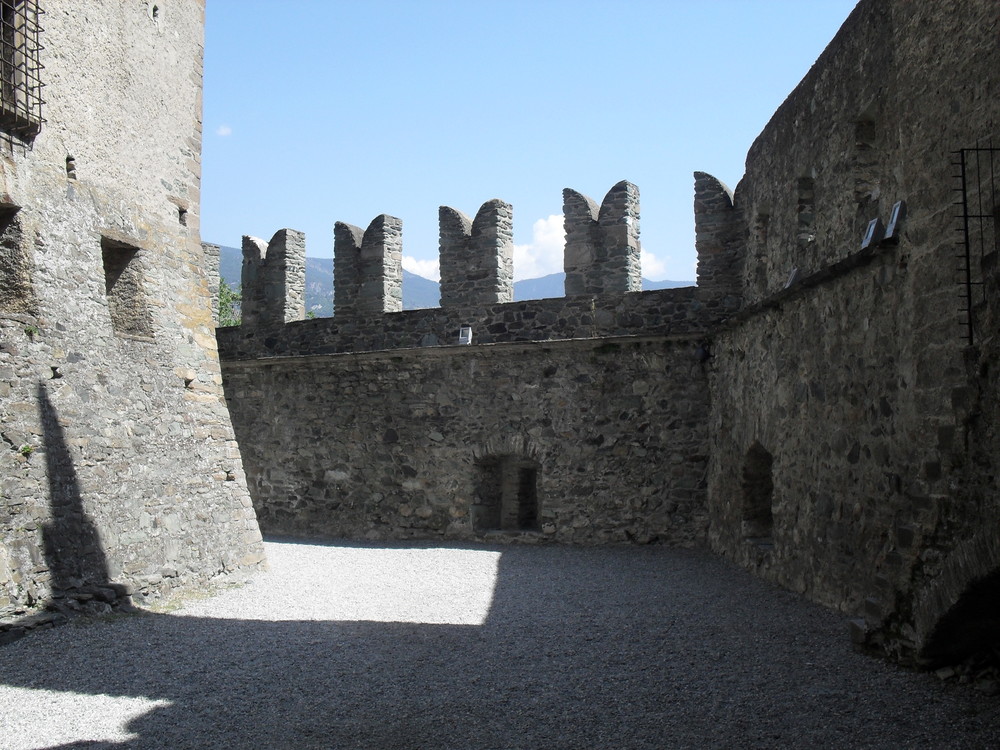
column 319, row 111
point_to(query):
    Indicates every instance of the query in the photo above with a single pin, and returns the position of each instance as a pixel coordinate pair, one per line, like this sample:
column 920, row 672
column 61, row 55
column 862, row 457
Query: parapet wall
column 667, row 312
column 602, row 283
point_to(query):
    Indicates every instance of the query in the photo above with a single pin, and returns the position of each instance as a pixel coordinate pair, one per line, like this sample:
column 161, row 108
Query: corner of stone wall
column 274, row 279
column 210, row 253
column 477, row 256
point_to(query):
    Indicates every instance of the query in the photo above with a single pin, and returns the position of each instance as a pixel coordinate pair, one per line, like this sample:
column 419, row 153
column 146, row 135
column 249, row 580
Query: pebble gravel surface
column 436, row 646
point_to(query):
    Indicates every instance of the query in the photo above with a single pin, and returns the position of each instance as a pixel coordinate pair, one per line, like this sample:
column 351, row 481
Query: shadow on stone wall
column 73, row 551
column 78, row 570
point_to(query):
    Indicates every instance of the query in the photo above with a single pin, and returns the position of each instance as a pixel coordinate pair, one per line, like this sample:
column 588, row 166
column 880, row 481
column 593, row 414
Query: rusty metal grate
column 977, row 170
column 20, row 68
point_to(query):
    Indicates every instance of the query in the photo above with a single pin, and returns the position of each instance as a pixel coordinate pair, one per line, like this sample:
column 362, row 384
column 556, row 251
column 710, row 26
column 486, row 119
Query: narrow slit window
column 806, row 213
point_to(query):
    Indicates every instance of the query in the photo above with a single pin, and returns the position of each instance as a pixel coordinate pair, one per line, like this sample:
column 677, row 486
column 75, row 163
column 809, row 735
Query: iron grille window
column 20, row 69
column 978, row 211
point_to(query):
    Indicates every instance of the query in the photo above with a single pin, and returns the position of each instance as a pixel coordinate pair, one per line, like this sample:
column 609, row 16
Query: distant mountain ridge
column 418, row 292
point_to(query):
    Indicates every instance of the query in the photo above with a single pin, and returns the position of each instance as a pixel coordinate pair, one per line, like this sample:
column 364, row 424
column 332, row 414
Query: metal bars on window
column 977, row 206
column 20, row 68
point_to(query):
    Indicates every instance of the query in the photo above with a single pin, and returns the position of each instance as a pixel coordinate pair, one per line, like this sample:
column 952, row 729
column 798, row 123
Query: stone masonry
column 477, row 257
column 821, row 408
column 577, row 419
column 602, row 242
column 119, row 472
column 849, row 365
column 849, row 444
column 368, row 268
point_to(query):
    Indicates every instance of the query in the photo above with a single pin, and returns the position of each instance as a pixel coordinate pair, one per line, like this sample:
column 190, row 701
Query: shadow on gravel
column 582, row 648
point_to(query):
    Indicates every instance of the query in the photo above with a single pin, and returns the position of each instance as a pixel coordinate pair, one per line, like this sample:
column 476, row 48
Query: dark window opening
column 20, row 69
column 15, row 267
column 506, row 495
column 865, row 167
column 758, row 493
column 806, row 209
column 123, row 284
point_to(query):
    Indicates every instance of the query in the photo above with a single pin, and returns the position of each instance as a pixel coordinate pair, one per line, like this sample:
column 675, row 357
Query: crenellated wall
column 579, row 419
column 476, row 286
column 820, row 408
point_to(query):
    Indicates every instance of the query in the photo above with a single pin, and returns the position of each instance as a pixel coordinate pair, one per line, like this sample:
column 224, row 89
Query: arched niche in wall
column 757, row 494
column 506, row 494
column 970, row 630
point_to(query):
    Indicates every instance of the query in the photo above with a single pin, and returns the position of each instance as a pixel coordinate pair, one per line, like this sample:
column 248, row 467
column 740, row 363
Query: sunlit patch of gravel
column 438, row 646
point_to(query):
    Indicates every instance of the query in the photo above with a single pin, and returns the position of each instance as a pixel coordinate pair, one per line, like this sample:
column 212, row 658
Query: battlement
column 601, row 255
column 274, row 279
column 719, row 241
column 602, row 243
column 603, row 282
column 368, row 267
column 477, row 257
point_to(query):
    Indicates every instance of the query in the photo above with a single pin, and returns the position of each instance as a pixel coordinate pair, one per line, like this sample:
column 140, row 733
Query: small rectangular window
column 15, row 265
column 123, row 283
column 20, row 68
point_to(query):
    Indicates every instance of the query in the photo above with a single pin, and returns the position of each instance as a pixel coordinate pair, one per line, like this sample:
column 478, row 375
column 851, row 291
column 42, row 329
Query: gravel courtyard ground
column 434, row 646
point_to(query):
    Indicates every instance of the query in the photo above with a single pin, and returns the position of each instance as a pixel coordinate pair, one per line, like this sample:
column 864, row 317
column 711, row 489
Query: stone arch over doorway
column 957, row 617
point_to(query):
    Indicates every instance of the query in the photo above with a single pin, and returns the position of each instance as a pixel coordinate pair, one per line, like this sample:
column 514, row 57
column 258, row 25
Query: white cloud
column 653, row 268
column 545, row 253
column 223, row 130
column 429, row 269
column 543, row 256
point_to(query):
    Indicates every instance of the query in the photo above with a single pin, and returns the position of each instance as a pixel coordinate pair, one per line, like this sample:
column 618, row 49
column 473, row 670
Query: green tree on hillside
column 230, row 302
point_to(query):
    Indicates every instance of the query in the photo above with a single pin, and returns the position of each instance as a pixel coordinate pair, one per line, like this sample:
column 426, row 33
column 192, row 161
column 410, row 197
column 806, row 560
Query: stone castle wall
column 842, row 403
column 599, row 399
column 400, row 444
column 119, row 471
column 476, row 288
column 850, row 425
